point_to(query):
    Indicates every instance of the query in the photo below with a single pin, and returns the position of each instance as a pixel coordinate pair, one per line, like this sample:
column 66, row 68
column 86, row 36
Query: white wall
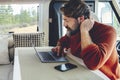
column 43, row 19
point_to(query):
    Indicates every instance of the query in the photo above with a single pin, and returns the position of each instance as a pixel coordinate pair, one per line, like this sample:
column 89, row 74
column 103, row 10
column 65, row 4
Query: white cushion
column 4, row 57
column 10, row 42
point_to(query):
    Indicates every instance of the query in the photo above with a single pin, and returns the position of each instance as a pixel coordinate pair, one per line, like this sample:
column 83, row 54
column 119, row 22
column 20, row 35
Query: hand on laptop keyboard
column 55, row 54
column 61, row 52
column 58, row 50
column 51, row 57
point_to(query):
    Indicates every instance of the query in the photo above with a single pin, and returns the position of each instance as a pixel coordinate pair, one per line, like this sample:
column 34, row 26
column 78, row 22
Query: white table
column 27, row 66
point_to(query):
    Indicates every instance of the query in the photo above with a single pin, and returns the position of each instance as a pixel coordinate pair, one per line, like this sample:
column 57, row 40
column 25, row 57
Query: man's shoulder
column 104, row 26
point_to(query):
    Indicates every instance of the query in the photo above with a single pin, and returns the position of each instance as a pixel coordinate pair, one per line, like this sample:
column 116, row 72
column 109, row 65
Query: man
column 92, row 41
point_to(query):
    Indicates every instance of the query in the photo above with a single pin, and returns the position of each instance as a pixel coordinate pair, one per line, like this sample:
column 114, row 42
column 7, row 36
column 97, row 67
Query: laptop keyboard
column 47, row 56
column 51, row 57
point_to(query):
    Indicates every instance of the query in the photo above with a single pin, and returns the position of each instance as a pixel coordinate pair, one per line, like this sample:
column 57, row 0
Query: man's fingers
column 67, row 51
column 56, row 50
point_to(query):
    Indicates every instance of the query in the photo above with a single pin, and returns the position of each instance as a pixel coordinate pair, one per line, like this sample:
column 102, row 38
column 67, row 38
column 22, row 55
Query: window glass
column 118, row 2
column 18, row 18
column 106, row 15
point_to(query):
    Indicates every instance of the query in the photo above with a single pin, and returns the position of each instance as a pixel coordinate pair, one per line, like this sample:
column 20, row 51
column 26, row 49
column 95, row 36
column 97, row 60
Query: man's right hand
column 58, row 50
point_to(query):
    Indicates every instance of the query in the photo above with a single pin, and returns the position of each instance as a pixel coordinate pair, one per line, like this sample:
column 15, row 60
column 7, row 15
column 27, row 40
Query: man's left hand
column 87, row 25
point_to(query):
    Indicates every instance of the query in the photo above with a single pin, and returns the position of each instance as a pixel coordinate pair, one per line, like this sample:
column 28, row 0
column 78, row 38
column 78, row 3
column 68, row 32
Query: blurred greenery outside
column 9, row 20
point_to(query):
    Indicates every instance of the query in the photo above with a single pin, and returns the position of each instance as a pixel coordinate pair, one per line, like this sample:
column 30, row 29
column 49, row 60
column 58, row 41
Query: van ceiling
column 21, row 1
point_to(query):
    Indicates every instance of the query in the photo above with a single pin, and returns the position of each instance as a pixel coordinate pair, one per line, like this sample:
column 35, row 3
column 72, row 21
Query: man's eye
column 67, row 21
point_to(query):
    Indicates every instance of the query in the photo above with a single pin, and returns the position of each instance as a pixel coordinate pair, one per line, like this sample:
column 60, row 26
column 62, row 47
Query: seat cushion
column 6, row 72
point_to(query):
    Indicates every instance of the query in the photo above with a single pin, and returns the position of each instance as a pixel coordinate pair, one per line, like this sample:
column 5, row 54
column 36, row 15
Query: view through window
column 106, row 15
column 18, row 18
column 118, row 2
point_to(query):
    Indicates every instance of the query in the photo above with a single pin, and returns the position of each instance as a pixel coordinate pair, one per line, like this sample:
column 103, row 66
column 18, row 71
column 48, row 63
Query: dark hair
column 75, row 9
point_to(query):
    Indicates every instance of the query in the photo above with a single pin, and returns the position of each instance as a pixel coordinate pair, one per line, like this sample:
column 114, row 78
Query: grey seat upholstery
column 6, row 72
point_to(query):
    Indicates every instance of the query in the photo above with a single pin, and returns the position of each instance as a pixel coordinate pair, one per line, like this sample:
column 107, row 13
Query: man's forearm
column 85, row 39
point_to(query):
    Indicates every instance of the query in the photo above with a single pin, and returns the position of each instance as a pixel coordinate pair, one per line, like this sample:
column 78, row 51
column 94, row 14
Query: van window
column 18, row 18
column 106, row 15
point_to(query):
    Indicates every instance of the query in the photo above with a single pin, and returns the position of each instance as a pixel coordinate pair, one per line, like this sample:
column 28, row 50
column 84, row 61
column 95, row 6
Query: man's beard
column 73, row 32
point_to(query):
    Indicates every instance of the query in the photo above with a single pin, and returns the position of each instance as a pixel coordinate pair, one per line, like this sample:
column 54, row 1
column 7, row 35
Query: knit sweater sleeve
column 64, row 41
column 96, row 54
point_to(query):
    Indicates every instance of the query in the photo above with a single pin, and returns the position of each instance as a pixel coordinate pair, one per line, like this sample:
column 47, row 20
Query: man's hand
column 58, row 50
column 86, row 25
column 67, row 51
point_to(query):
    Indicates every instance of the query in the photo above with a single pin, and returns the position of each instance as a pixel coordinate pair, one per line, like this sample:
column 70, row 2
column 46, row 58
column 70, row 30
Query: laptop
column 48, row 56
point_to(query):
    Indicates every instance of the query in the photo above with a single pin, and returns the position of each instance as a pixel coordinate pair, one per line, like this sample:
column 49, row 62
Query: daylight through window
column 18, row 18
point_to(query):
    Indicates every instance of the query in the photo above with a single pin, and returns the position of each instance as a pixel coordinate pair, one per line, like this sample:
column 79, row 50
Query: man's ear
column 80, row 19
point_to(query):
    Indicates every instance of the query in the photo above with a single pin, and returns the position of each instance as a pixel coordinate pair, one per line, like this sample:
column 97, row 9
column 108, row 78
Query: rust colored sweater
column 101, row 54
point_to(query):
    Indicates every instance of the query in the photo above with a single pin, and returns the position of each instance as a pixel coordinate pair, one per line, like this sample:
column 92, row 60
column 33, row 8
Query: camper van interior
column 40, row 21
